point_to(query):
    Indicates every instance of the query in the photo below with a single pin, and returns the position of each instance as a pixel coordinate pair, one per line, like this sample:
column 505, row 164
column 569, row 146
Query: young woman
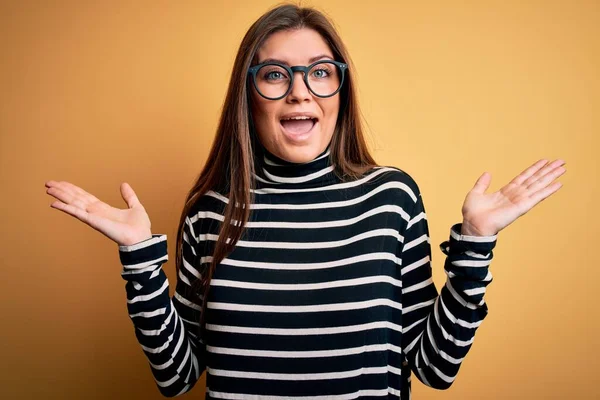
column 303, row 267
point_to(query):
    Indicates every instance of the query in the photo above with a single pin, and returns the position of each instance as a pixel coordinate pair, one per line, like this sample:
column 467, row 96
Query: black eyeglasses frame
column 296, row 68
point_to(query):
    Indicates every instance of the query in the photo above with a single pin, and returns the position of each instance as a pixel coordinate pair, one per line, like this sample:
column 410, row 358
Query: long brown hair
column 230, row 163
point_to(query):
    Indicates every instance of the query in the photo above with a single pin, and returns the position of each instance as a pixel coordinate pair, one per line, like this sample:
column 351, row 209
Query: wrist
column 136, row 239
column 469, row 230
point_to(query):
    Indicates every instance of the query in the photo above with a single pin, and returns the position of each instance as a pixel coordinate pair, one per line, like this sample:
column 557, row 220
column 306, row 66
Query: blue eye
column 274, row 74
column 321, row 73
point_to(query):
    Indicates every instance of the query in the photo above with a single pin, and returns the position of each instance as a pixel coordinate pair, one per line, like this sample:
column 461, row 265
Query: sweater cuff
column 138, row 255
column 460, row 244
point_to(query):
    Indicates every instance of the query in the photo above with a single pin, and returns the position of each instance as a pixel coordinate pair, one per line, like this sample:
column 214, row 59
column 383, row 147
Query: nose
column 299, row 91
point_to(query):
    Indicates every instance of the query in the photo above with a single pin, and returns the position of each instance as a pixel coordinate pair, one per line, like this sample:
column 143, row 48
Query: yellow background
column 97, row 93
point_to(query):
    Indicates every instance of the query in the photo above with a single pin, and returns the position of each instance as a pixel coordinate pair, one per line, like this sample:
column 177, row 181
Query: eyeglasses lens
column 273, row 81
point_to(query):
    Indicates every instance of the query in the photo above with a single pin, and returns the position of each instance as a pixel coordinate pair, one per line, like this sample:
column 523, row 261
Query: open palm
column 125, row 227
column 487, row 213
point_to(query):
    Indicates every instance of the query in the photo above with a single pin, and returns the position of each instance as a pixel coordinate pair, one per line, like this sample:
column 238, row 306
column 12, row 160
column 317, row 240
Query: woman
column 324, row 287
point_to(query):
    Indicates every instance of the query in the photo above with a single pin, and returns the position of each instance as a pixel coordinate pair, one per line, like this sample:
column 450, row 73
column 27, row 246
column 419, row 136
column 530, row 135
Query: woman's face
column 295, row 141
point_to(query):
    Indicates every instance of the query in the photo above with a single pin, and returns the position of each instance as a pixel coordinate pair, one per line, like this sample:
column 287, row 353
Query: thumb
column 129, row 195
column 483, row 183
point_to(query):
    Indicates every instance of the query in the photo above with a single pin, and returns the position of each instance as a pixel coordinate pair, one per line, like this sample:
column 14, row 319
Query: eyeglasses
column 274, row 81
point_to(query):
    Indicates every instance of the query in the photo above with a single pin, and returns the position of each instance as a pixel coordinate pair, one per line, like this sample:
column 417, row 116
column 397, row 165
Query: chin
column 300, row 154
column 296, row 149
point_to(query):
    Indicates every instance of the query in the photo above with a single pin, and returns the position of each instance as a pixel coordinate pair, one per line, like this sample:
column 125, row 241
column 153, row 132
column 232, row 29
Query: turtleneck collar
column 272, row 171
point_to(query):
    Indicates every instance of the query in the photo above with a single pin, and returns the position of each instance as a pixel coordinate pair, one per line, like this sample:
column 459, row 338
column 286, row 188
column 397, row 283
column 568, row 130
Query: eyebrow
column 310, row 61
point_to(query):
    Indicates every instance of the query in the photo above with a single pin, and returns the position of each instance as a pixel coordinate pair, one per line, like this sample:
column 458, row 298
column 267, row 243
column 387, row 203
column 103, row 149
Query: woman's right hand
column 125, row 227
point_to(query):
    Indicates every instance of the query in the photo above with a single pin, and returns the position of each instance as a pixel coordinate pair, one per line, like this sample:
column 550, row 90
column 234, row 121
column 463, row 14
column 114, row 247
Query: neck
column 272, row 171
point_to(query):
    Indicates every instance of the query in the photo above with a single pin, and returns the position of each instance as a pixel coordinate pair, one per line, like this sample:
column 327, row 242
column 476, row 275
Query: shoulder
column 394, row 177
column 207, row 211
column 210, row 201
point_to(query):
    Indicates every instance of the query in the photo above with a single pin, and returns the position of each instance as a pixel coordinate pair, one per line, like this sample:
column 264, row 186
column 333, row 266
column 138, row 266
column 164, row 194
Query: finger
column 548, row 167
column 100, row 224
column 65, row 186
column 73, row 190
column 545, row 180
column 129, row 195
column 68, row 186
column 67, row 198
column 542, row 194
column 519, row 179
column 76, row 212
column 483, row 183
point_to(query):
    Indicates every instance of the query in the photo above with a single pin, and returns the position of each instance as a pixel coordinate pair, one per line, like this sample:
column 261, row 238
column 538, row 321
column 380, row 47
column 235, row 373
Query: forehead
column 294, row 47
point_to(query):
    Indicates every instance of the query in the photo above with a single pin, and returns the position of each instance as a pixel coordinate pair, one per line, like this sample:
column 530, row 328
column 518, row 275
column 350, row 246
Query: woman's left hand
column 486, row 214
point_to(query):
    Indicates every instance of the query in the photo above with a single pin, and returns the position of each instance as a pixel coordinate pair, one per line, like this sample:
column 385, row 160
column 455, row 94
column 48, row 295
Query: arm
column 166, row 328
column 438, row 331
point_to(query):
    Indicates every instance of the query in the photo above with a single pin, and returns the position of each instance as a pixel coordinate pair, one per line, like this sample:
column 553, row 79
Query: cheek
column 262, row 112
column 269, row 120
column 331, row 109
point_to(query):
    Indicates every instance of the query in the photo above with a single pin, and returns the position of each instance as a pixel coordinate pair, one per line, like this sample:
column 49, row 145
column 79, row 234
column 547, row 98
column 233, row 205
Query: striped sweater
column 328, row 294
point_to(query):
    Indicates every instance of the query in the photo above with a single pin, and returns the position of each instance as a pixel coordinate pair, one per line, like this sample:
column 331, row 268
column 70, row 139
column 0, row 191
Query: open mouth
column 298, row 127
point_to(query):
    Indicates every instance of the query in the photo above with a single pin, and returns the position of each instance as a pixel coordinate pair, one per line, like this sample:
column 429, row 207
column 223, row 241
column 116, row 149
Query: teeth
column 299, row 117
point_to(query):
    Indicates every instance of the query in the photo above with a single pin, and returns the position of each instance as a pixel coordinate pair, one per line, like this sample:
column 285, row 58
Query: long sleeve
column 438, row 331
column 165, row 327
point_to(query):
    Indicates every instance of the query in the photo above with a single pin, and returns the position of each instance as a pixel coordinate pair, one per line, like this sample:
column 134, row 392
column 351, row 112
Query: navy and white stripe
column 327, row 295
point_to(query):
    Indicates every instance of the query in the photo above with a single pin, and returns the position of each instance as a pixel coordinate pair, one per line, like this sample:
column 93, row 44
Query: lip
column 301, row 137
